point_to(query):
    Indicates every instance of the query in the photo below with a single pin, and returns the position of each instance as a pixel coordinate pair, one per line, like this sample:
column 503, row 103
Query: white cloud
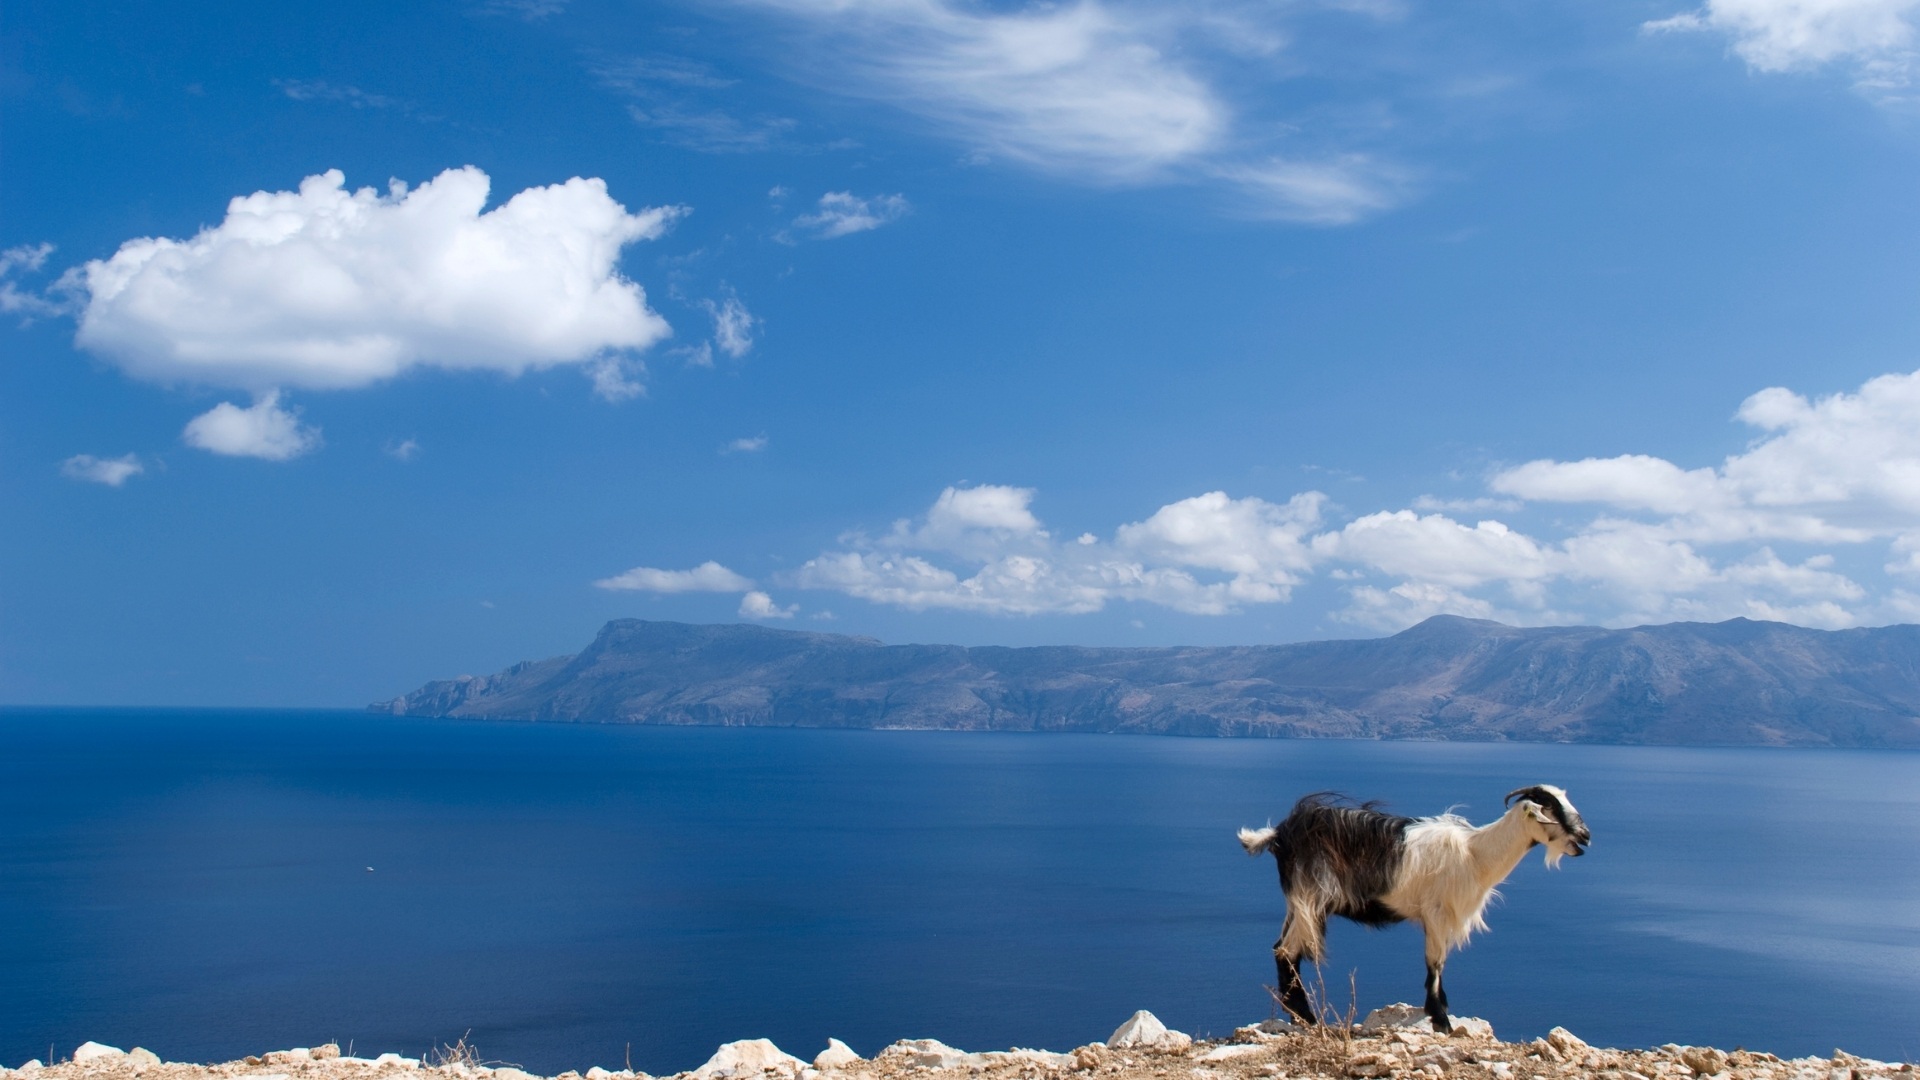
column 709, row 576
column 1668, row 543
column 262, row 430
column 1874, row 37
column 746, row 444
column 1080, row 87
column 1012, row 565
column 109, row 471
column 1335, row 191
column 403, row 450
column 842, row 213
column 758, row 605
column 327, row 288
column 1107, row 93
column 30, row 305
column 732, row 327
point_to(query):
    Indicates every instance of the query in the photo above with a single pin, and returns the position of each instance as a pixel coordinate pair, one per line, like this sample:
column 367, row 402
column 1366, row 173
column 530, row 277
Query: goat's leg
column 1436, row 992
column 1293, row 992
column 1297, row 940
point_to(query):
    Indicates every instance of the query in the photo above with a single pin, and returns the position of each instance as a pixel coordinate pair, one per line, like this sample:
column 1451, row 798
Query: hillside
column 1733, row 683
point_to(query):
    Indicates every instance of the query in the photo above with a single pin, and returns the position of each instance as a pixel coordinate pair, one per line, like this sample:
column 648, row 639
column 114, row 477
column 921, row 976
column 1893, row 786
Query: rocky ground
column 1394, row 1043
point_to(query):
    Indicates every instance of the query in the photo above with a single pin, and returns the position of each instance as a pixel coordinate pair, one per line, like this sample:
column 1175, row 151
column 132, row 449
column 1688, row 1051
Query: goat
column 1339, row 857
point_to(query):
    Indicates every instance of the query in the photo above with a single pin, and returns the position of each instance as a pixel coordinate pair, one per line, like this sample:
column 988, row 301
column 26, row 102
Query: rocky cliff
column 1732, row 683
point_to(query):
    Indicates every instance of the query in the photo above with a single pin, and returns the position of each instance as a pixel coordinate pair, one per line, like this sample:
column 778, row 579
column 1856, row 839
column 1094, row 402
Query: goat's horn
column 1518, row 793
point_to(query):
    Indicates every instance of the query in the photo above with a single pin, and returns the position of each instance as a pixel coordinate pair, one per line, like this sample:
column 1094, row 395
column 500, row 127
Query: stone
column 1091, row 1056
column 928, row 1054
column 1571, row 1046
column 396, row 1060
column 142, row 1059
column 1044, row 1059
column 92, row 1051
column 1372, row 1065
column 1145, row 1031
column 1703, row 1060
column 32, row 1066
column 1232, row 1051
column 289, row 1057
column 748, row 1057
column 508, row 1072
column 326, row 1052
column 837, row 1055
column 1402, row 1016
column 598, row 1073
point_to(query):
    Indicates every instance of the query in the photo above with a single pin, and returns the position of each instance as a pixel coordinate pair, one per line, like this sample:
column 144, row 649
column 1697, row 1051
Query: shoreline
column 1393, row 1043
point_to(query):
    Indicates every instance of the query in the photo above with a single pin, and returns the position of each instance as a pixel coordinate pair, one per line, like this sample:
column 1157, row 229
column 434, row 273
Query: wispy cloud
column 28, row 258
column 674, row 96
column 321, row 90
column 732, row 325
column 112, row 472
column 1102, row 92
column 1875, row 39
column 842, row 213
column 530, row 10
column 749, row 444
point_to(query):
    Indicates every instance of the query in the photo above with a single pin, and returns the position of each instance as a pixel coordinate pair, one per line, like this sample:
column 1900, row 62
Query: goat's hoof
column 1442, row 1026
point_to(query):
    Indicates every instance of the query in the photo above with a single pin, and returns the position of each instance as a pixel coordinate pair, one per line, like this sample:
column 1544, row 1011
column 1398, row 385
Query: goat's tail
column 1258, row 841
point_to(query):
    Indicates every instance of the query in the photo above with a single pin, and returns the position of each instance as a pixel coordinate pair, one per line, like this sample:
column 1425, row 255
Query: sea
column 210, row 884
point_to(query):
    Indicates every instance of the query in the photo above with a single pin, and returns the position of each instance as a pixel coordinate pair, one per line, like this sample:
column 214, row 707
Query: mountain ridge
column 1739, row 682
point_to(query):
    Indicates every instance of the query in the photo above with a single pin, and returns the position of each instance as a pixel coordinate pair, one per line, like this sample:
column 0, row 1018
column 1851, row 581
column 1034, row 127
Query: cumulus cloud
column 262, row 430
column 758, row 605
column 328, row 288
column 842, row 213
column 109, row 471
column 1873, row 37
column 1666, row 541
column 1008, row 563
column 709, row 576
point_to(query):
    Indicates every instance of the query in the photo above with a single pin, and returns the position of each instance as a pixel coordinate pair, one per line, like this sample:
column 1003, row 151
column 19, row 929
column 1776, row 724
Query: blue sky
column 352, row 345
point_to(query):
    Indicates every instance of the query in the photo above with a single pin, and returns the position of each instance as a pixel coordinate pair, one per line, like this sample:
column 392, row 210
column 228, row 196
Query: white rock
column 1402, row 1016
column 1045, row 1059
column 33, row 1066
column 1231, row 1051
column 142, row 1059
column 93, row 1051
column 1144, row 1030
column 396, row 1059
column 929, row 1054
column 837, row 1055
column 748, row 1057
column 508, row 1072
column 598, row 1073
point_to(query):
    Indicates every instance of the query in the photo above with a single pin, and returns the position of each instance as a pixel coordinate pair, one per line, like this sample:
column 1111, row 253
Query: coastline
column 1393, row 1043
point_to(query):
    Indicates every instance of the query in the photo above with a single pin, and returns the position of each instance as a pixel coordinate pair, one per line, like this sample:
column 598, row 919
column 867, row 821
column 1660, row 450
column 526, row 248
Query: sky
column 348, row 346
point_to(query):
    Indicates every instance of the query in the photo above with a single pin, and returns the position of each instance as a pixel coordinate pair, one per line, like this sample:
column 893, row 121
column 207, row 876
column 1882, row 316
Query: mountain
column 1733, row 683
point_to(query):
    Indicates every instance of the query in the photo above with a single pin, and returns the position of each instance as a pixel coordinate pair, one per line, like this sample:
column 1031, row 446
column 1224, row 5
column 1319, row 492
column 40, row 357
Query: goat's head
column 1551, row 820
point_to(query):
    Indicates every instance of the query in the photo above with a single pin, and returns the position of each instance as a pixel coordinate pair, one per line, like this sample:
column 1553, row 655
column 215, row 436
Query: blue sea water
column 210, row 884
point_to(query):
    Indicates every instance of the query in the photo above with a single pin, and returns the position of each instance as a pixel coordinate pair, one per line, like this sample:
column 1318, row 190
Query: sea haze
column 198, row 883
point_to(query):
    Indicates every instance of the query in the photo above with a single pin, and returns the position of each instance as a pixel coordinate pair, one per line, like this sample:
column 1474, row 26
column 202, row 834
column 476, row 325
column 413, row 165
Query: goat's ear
column 1538, row 813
